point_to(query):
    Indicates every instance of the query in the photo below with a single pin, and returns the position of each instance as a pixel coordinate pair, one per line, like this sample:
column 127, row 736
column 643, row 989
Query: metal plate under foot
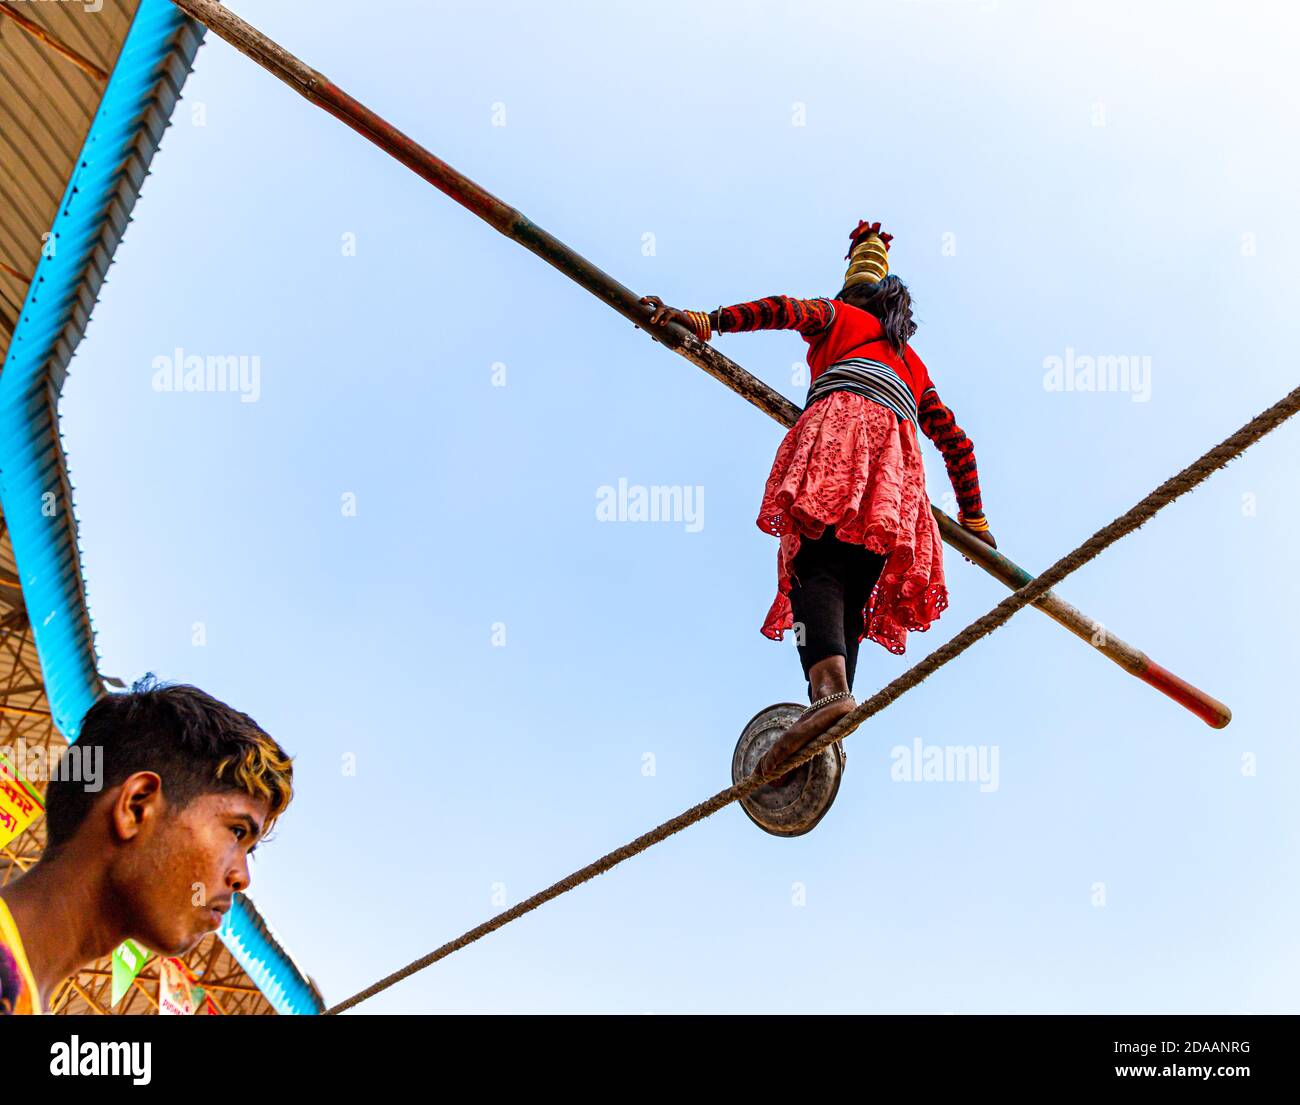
column 796, row 807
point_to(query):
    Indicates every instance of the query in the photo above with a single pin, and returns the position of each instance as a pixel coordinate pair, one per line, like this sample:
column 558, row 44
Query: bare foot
column 802, row 733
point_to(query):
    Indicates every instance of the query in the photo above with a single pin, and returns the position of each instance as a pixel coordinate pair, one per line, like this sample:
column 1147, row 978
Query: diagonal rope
column 1174, row 487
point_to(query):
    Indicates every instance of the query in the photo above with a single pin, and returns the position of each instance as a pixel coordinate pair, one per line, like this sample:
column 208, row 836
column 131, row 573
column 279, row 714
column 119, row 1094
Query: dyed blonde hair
column 261, row 769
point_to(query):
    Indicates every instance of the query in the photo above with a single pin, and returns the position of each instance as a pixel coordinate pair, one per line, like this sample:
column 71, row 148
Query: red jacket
column 834, row 331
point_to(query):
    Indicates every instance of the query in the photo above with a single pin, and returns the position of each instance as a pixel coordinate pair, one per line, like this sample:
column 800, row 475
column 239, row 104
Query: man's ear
column 139, row 801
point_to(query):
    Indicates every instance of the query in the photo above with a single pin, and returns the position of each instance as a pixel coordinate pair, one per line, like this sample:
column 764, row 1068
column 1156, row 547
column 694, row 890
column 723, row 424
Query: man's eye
column 239, row 831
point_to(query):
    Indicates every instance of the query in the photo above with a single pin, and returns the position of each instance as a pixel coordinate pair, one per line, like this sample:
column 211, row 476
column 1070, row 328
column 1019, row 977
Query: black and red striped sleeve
column 939, row 425
column 776, row 312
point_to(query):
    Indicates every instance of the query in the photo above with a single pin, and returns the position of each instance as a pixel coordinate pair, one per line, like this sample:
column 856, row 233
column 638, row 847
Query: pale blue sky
column 1115, row 182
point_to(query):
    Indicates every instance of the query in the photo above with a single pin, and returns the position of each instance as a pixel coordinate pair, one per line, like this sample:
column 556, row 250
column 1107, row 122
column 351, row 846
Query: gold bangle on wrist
column 979, row 525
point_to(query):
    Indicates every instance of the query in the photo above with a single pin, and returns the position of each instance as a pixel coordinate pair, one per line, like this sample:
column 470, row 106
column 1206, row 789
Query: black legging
column 832, row 580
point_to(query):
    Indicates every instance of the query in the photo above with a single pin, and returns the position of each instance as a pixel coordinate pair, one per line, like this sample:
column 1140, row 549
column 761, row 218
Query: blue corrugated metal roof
column 30, row 457
column 265, row 961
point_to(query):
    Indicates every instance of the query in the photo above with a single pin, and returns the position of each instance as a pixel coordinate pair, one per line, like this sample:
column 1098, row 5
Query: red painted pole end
column 1210, row 710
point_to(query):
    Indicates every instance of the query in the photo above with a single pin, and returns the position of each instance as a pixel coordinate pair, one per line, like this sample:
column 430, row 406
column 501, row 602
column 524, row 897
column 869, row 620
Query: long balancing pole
column 325, row 94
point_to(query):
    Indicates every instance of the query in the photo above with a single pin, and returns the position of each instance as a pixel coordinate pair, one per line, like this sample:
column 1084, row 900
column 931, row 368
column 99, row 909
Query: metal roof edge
column 34, row 483
column 250, row 939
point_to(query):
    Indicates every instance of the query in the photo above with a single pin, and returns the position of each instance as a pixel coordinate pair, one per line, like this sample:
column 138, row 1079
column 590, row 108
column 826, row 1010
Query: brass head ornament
column 868, row 255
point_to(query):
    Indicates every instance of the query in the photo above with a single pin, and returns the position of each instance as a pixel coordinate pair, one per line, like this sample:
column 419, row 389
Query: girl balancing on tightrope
column 860, row 553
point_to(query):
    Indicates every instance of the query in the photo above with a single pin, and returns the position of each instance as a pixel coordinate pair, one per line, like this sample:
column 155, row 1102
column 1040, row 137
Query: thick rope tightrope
column 1195, row 473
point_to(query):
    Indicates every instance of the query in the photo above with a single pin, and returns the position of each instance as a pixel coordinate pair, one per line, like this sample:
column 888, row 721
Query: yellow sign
column 19, row 804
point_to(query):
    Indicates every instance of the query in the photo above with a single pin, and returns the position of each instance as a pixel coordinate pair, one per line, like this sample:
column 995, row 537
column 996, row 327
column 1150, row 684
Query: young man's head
column 187, row 788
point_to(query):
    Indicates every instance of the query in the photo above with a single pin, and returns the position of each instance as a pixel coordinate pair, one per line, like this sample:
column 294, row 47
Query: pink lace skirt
column 854, row 464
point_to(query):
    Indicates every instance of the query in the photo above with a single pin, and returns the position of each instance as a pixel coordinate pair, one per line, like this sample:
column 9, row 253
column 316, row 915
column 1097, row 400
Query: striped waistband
column 873, row 379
